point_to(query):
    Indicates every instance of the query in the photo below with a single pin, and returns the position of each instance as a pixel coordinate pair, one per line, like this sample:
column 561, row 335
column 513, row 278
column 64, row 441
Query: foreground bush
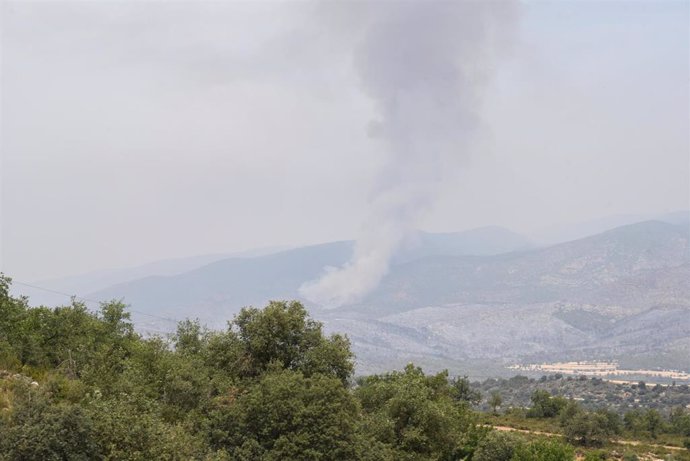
column 544, row 450
column 271, row 386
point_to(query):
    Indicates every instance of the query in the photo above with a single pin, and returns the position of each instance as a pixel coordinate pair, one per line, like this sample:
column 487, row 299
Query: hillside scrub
column 81, row 385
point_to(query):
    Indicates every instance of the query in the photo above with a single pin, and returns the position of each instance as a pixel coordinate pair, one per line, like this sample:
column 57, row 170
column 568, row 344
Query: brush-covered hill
column 219, row 289
column 621, row 292
column 603, row 267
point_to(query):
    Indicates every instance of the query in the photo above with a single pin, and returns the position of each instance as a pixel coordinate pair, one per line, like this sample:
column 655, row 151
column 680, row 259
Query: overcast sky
column 136, row 131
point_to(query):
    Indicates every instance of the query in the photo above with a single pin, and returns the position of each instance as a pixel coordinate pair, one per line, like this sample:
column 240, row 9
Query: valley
column 475, row 303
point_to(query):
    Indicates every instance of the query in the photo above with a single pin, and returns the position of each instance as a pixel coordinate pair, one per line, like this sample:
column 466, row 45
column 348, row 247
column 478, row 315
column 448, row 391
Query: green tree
column 12, row 312
column 113, row 339
column 38, row 429
column 679, row 421
column 613, row 420
column 286, row 415
column 129, row 428
column 224, row 355
column 283, row 333
column 633, row 421
column 495, row 401
column 545, row 406
column 568, row 412
column 496, row 446
column 185, row 387
column 588, row 429
column 653, row 422
column 189, row 337
column 416, row 415
column 463, row 392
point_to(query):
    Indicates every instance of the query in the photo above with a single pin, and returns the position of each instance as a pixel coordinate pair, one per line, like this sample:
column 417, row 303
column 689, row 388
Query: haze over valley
column 294, row 151
column 350, row 230
column 478, row 300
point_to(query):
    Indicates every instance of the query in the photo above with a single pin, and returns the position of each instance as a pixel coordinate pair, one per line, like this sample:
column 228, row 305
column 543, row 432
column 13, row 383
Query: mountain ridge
column 620, row 293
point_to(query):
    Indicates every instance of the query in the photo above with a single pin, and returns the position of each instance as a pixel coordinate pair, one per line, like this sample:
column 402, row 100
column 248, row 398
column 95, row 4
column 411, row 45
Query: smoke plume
column 424, row 64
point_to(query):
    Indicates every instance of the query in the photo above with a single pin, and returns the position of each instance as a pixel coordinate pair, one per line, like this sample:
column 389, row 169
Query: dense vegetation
column 77, row 385
column 590, row 392
column 589, row 411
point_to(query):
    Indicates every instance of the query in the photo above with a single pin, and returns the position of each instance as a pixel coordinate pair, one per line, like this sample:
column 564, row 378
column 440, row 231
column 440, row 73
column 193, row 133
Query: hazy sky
column 136, row 131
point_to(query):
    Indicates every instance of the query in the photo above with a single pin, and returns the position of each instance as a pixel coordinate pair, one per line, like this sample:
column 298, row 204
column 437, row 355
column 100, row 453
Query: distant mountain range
column 83, row 284
column 623, row 294
column 575, row 231
column 472, row 301
column 218, row 290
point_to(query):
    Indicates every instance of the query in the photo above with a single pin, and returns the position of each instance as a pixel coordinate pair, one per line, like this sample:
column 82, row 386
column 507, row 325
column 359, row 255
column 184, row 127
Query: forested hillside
column 77, row 385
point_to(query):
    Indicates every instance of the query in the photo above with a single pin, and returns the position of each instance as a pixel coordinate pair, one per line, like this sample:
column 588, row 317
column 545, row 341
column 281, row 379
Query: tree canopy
column 77, row 384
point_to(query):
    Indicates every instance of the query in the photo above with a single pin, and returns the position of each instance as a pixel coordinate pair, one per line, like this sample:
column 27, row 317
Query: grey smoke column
column 424, row 64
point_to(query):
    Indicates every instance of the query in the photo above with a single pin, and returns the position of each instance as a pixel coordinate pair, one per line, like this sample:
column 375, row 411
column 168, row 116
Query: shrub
column 596, row 455
column 496, row 446
column 544, row 450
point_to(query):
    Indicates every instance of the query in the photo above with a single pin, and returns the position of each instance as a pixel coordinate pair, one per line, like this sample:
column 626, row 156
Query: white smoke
column 424, row 64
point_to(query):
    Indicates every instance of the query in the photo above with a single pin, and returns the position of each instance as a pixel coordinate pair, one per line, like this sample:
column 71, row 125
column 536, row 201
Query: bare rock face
column 625, row 292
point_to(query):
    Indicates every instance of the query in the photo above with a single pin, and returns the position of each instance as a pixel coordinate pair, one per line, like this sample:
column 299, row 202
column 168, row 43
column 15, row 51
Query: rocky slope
column 624, row 293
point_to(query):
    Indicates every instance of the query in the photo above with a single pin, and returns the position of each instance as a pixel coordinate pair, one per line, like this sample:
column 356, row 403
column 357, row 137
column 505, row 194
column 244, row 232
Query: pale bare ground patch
column 523, row 431
column 609, row 371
